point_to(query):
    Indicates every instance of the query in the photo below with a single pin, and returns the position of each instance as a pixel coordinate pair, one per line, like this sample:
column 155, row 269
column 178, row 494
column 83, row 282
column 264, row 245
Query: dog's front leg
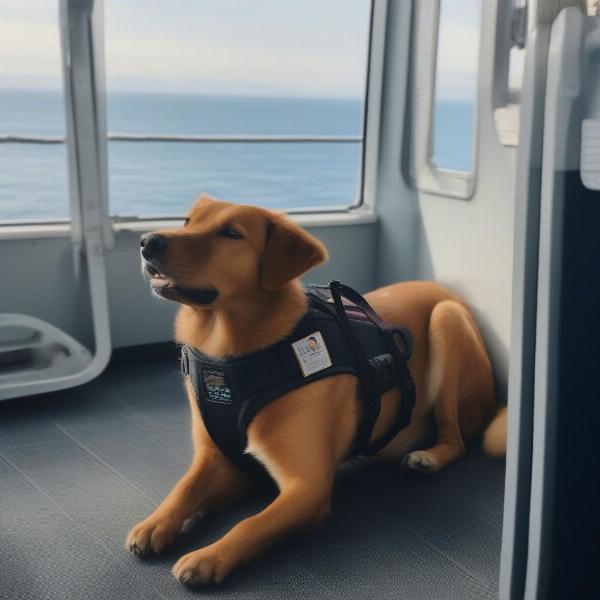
column 300, row 439
column 300, row 505
column 210, row 483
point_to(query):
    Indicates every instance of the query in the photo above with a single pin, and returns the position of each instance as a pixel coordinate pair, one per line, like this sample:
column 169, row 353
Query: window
column 269, row 96
column 455, row 98
column 33, row 159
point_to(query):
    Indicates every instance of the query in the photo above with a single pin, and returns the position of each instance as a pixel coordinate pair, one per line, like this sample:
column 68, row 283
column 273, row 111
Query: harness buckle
column 403, row 342
column 382, row 371
column 185, row 361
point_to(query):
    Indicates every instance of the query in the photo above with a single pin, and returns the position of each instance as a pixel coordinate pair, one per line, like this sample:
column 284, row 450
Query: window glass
column 456, row 84
column 222, row 68
column 33, row 176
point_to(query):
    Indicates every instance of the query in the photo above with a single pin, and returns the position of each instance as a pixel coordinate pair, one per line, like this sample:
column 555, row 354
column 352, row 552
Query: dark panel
column 574, row 546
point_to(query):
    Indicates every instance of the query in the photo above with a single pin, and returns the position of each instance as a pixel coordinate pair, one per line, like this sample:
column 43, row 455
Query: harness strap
column 399, row 342
column 371, row 397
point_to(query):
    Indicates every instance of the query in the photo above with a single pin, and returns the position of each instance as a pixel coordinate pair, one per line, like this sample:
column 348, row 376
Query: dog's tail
column 494, row 439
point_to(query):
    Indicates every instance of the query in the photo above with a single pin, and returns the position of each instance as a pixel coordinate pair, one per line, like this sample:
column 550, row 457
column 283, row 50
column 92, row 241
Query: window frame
column 424, row 174
column 361, row 211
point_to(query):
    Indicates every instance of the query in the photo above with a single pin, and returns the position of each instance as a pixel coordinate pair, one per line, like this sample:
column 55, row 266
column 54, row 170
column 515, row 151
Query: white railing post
column 81, row 31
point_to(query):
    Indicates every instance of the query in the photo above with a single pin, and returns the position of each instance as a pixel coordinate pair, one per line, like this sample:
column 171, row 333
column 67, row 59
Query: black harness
column 332, row 338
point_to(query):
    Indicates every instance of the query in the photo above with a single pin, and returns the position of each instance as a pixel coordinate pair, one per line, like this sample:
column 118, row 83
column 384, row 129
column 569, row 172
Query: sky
column 240, row 47
column 458, row 49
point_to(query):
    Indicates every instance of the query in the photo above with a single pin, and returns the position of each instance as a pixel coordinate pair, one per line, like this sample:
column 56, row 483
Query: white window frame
column 426, row 176
column 362, row 212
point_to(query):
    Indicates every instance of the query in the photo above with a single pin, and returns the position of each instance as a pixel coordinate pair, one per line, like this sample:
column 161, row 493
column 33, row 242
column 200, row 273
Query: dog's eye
column 186, row 221
column 230, row 232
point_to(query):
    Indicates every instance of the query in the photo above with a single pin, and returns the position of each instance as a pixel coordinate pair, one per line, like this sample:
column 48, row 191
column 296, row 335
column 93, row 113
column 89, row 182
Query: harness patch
column 312, row 354
column 216, row 388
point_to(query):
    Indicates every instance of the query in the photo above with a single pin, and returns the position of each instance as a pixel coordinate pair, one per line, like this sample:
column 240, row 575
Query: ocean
column 158, row 178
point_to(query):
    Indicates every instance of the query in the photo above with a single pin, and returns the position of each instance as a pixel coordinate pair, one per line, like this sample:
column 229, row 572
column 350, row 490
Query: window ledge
column 351, row 217
column 35, row 231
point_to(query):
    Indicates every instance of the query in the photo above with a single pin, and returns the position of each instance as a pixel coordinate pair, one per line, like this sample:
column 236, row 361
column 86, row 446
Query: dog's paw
column 421, row 460
column 150, row 537
column 200, row 568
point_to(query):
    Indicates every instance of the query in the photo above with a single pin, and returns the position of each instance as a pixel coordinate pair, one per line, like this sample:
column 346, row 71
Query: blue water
column 153, row 178
column 453, row 135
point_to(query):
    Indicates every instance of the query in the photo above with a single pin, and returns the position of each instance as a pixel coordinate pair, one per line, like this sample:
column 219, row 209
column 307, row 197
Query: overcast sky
column 251, row 47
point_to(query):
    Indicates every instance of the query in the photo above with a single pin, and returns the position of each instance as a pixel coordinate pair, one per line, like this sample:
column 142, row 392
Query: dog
column 234, row 269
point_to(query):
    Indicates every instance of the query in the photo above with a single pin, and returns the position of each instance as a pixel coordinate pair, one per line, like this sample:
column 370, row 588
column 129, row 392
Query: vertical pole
column 81, row 32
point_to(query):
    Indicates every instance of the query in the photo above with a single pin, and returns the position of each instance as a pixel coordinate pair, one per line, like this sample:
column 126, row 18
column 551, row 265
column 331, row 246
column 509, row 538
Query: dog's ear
column 205, row 198
column 289, row 252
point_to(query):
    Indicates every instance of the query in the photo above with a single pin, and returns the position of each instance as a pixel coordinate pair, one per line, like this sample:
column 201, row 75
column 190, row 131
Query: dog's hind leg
column 459, row 385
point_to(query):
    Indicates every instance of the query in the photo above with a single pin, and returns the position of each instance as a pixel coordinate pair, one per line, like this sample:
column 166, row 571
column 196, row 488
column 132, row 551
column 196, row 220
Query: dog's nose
column 153, row 245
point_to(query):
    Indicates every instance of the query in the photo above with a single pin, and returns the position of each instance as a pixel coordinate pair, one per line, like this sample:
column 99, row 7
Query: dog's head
column 224, row 251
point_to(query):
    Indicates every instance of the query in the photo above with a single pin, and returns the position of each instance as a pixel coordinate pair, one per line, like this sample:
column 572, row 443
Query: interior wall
column 37, row 277
column 466, row 245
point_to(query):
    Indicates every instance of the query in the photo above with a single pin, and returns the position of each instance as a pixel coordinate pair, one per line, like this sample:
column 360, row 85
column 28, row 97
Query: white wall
column 37, row 278
column 465, row 244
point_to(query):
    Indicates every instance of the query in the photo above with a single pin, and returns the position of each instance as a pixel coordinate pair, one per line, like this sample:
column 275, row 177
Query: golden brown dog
column 239, row 292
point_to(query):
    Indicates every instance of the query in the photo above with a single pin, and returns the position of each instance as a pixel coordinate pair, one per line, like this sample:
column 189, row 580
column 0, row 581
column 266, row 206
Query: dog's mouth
column 158, row 280
column 164, row 285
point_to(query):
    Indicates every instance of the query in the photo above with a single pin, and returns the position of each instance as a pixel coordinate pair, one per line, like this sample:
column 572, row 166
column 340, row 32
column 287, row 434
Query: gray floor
column 79, row 468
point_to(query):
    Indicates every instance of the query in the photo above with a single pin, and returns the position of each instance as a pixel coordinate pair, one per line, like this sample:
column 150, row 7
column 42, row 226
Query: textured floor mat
column 79, row 468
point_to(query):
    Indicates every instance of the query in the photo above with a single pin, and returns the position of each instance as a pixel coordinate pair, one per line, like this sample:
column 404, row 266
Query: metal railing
column 212, row 139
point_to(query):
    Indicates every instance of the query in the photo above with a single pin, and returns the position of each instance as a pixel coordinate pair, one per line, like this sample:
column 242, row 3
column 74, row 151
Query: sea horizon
column 152, row 178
